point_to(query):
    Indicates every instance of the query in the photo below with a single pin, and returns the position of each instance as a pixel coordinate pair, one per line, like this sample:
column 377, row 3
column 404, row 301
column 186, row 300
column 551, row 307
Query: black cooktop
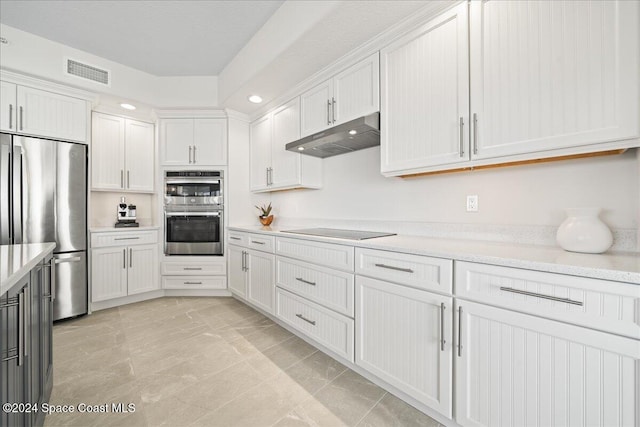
column 340, row 233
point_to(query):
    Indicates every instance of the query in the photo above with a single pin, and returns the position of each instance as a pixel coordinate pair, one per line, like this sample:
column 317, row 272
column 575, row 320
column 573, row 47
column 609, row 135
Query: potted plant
column 265, row 214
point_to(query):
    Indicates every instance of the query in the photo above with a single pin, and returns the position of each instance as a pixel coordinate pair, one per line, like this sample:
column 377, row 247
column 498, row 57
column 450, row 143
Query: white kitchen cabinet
column 404, row 336
column 272, row 166
column 425, row 95
column 348, row 95
column 30, row 111
column 8, row 106
column 260, row 279
column 123, row 263
column 549, row 75
column 194, row 141
column 237, row 279
column 198, row 272
column 118, row 147
column 518, row 369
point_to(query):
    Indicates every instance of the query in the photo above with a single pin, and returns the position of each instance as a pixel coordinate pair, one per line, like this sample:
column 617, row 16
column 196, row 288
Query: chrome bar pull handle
column 10, row 116
column 333, row 109
column 130, row 258
column 189, row 154
column 21, row 119
column 234, row 238
column 21, row 317
column 300, row 279
column 267, row 171
column 328, row 112
column 475, row 133
column 124, row 258
column 313, row 322
column 537, row 295
column 192, row 268
column 442, row 340
column 192, row 283
column 128, row 179
column 257, row 243
column 194, row 154
column 391, row 267
column 126, row 238
column 121, row 178
column 461, row 137
column 459, row 331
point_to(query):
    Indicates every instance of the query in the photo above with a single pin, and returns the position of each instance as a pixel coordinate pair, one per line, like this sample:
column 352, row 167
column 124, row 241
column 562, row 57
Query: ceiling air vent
column 88, row 72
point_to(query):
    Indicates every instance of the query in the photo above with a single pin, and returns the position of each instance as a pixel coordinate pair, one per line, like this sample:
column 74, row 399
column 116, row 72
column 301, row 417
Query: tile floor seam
column 371, row 409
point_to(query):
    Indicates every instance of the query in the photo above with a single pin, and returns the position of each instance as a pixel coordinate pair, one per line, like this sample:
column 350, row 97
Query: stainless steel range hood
column 363, row 132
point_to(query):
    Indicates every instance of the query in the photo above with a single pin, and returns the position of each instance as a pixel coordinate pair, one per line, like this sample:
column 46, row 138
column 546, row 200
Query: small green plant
column 265, row 210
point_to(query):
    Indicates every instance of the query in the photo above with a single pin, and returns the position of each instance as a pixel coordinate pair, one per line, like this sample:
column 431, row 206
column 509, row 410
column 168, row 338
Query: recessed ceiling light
column 300, row 148
column 353, row 132
column 128, row 106
column 256, row 99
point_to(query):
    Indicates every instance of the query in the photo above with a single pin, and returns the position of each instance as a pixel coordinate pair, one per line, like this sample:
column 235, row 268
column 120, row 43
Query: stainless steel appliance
column 194, row 213
column 340, row 233
column 43, row 198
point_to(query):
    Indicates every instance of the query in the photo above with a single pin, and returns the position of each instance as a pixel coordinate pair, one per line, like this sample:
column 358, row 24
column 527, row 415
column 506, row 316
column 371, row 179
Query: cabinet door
column 139, row 155
column 46, row 330
column 521, row 370
column 548, row 75
column 107, row 152
column 357, row 90
column 315, row 109
column 237, row 282
column 210, row 142
column 286, row 128
column 260, row 152
column 34, row 364
column 425, row 92
column 260, row 279
column 176, row 141
column 8, row 107
column 403, row 336
column 142, row 275
column 108, row 273
column 51, row 115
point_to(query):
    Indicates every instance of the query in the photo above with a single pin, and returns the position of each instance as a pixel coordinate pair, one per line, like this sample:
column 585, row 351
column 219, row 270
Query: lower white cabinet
column 515, row 369
column 403, row 336
column 123, row 263
column 194, row 273
column 123, row 270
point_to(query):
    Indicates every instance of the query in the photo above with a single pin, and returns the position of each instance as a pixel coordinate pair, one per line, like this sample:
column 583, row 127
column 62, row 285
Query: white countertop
column 123, row 229
column 18, row 260
column 620, row 267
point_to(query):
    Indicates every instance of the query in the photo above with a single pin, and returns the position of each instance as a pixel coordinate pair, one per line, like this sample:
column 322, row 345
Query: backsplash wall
column 104, row 204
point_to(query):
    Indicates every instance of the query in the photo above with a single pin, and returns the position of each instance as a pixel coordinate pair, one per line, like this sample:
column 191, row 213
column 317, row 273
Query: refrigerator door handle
column 16, row 191
column 5, row 192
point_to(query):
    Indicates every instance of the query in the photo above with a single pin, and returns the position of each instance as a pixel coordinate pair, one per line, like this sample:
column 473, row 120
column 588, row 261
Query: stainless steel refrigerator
column 43, row 198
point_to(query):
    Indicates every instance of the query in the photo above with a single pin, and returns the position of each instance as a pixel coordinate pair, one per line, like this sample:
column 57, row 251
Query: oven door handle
column 192, row 213
column 192, row 181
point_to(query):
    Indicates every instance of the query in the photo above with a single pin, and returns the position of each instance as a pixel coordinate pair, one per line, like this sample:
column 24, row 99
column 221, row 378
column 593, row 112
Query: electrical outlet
column 472, row 203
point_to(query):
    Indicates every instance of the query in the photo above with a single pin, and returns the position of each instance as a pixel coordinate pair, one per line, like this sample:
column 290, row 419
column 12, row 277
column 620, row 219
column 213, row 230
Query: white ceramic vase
column 584, row 232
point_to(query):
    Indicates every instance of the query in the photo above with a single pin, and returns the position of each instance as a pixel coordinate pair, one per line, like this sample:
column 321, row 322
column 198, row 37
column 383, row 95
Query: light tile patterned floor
column 208, row 362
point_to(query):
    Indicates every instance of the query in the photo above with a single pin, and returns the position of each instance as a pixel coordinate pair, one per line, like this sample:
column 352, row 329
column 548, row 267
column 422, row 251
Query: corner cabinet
column 272, row 166
column 30, row 111
column 118, row 144
column 193, row 141
column 350, row 94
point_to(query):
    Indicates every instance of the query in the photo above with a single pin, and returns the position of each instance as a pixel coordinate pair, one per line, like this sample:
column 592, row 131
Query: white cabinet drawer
column 123, row 238
column 194, row 282
column 237, row 238
column 434, row 274
column 261, row 242
column 212, row 268
column 594, row 303
column 329, row 254
column 327, row 327
column 331, row 288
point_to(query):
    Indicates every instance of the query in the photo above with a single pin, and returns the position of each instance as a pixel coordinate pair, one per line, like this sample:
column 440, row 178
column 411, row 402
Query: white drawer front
column 237, row 238
column 123, row 238
column 598, row 304
column 213, row 268
column 194, row 282
column 329, row 254
column 434, row 274
column 329, row 328
column 261, row 242
column 331, row 288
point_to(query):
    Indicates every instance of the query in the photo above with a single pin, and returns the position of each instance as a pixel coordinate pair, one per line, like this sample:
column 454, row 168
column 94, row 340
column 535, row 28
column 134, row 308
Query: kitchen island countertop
column 18, row 260
column 615, row 266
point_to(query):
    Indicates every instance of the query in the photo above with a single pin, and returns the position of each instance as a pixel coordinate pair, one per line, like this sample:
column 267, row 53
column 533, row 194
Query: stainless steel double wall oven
column 193, row 212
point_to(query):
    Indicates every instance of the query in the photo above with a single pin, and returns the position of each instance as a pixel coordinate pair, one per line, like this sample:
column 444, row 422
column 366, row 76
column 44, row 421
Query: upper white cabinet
column 348, row 95
column 118, row 145
column 31, row 111
column 425, row 102
column 193, row 141
column 549, row 75
column 272, row 166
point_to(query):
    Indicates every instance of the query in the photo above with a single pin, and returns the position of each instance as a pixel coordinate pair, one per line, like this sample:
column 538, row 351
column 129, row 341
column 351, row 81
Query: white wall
column 104, row 208
column 30, row 54
column 520, row 195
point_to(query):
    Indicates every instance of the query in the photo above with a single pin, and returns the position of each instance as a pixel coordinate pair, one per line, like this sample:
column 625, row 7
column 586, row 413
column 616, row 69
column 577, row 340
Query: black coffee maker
column 126, row 215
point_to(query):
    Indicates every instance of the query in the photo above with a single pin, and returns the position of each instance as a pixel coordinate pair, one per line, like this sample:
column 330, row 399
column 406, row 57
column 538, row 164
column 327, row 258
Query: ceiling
column 163, row 38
